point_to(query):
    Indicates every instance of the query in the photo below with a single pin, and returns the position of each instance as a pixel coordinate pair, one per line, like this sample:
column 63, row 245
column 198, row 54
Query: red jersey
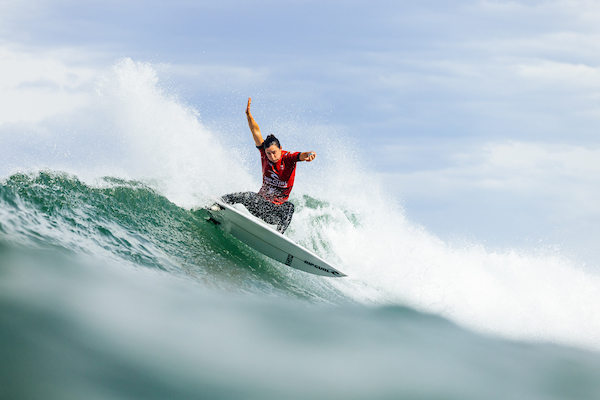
column 278, row 178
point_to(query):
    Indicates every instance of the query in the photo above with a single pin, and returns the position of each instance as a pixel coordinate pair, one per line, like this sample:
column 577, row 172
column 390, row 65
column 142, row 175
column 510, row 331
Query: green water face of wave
column 133, row 224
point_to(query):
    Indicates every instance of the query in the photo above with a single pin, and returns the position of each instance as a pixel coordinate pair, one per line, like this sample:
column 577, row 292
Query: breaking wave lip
column 137, row 132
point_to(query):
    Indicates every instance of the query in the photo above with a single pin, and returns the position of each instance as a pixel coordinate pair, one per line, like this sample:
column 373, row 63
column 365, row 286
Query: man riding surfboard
column 279, row 170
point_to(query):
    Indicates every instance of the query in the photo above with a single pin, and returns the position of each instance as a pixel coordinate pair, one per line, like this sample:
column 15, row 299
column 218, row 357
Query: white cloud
column 560, row 73
column 509, row 193
column 222, row 75
column 535, row 168
column 37, row 86
column 532, row 161
column 566, row 176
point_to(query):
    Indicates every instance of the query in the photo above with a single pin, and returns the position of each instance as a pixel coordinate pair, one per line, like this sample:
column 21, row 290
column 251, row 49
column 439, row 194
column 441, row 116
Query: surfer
column 279, row 169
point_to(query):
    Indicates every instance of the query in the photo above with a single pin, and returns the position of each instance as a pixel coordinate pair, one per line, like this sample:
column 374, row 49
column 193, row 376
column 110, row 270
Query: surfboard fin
column 211, row 219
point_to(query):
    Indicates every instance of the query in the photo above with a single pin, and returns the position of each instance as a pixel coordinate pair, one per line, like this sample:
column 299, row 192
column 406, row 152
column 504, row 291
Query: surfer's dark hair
column 270, row 141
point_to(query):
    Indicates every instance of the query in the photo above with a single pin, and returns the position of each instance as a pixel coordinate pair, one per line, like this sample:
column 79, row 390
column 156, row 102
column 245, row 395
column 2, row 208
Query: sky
column 481, row 117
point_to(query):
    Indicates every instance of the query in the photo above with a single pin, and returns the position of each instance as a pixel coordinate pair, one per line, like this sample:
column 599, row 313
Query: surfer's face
column 273, row 153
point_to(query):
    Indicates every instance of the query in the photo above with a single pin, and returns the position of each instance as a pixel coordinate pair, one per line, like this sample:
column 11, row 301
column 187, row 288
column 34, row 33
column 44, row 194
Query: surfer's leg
column 239, row 197
column 256, row 204
column 263, row 209
column 250, row 200
column 286, row 211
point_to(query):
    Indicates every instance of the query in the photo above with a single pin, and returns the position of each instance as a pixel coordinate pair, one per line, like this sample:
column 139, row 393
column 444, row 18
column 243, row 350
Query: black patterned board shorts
column 280, row 215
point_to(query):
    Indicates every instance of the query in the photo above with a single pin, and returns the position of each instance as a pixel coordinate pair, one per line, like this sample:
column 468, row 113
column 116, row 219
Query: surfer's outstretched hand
column 248, row 107
column 308, row 156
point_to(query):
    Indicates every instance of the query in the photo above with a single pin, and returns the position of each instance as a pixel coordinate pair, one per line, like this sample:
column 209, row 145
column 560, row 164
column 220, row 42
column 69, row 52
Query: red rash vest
column 278, row 178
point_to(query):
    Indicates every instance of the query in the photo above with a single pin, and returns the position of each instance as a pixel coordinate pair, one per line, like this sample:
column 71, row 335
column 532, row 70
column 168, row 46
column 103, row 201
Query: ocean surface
column 114, row 286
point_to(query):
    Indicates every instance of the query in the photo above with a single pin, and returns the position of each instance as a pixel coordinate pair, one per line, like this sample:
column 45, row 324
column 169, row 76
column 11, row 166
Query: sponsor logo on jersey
column 274, row 180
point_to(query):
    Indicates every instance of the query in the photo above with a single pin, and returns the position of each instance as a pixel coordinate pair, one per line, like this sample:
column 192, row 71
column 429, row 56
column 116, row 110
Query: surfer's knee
column 288, row 208
column 227, row 198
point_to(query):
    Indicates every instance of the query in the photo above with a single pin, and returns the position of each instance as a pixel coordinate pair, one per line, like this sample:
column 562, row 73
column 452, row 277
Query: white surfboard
column 264, row 239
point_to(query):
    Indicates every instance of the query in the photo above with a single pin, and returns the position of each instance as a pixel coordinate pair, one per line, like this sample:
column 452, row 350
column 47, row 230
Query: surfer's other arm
column 258, row 139
column 307, row 156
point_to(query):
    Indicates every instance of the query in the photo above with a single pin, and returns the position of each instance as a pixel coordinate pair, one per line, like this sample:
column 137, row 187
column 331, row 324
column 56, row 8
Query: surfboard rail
column 264, row 239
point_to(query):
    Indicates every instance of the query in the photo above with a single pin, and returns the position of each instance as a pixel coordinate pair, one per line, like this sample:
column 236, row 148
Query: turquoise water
column 112, row 291
column 113, row 286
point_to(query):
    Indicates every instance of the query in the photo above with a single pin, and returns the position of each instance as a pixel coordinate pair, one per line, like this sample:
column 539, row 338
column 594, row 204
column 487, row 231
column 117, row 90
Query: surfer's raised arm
column 307, row 156
column 258, row 139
